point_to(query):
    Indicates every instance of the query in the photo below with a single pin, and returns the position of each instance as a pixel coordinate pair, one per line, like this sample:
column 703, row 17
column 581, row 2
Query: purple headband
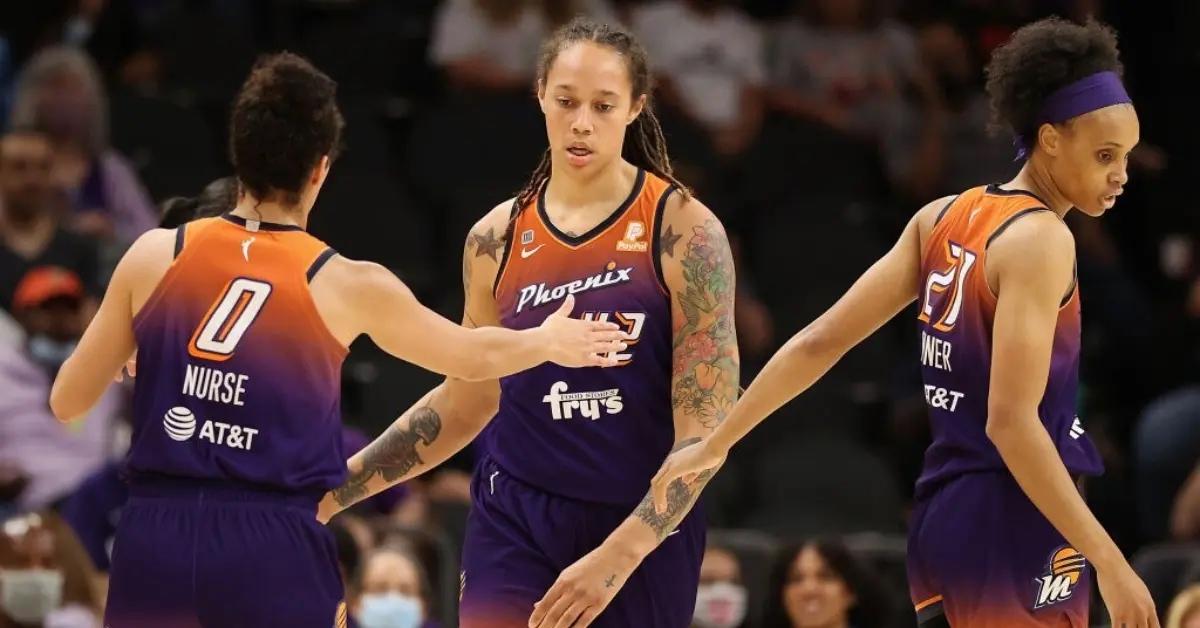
column 1097, row 91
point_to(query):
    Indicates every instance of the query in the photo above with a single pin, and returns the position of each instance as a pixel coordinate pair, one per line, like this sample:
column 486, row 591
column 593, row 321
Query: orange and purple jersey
column 238, row 377
column 956, row 311
column 591, row 434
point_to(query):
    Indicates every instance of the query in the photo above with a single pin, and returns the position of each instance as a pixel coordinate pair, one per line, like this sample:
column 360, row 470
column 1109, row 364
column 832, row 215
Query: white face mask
column 720, row 605
column 28, row 595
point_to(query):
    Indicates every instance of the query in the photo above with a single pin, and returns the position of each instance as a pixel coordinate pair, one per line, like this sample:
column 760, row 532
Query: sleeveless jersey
column 956, row 311
column 238, row 377
column 591, row 434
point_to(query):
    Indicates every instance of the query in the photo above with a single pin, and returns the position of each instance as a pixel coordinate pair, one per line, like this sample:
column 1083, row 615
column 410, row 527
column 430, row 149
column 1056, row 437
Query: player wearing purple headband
column 1000, row 535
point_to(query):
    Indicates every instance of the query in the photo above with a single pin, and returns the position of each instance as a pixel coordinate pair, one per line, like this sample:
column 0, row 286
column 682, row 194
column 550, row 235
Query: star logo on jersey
column 633, row 238
column 246, row 247
column 528, row 253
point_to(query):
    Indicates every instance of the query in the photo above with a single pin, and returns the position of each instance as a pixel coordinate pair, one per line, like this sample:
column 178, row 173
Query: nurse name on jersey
column 209, row 384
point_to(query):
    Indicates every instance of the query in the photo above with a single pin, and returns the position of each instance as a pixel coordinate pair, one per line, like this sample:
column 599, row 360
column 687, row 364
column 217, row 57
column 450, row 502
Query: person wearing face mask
column 820, row 584
column 394, row 592
column 48, row 306
column 721, row 598
column 46, row 579
column 31, row 233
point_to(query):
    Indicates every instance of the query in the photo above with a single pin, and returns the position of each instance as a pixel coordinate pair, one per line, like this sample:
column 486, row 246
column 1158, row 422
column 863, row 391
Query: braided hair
column 648, row 150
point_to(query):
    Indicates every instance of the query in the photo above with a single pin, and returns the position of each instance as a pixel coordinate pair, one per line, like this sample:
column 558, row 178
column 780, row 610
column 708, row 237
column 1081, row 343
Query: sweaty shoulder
column 927, row 217
column 144, row 265
column 349, row 292
column 1038, row 246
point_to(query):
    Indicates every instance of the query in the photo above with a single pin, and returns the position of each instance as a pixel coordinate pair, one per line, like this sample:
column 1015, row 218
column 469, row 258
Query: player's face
column 815, row 595
column 587, row 99
column 1092, row 157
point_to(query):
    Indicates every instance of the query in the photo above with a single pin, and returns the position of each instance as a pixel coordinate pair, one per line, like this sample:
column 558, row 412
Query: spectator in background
column 394, row 591
column 1166, row 447
column 820, row 584
column 60, row 93
column 45, row 576
column 54, row 456
column 840, row 65
column 721, row 599
column 939, row 144
column 492, row 45
column 30, row 231
column 1185, row 610
column 709, row 61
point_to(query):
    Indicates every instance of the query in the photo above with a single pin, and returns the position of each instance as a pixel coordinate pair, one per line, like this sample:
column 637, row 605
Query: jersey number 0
column 230, row 316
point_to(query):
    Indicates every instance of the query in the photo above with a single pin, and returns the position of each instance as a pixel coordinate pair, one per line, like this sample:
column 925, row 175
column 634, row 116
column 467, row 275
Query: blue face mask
column 389, row 610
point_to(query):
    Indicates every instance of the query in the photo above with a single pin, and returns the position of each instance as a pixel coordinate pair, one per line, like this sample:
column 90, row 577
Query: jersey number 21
column 962, row 262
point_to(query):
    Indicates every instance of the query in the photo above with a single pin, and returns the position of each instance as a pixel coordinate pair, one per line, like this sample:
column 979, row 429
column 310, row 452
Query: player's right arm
column 879, row 294
column 374, row 301
column 1030, row 267
column 451, row 415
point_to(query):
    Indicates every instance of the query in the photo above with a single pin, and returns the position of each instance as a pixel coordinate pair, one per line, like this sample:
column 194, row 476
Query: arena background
column 850, row 115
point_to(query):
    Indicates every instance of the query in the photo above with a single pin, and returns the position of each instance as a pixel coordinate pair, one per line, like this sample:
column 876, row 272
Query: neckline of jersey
column 604, row 224
column 263, row 226
column 995, row 189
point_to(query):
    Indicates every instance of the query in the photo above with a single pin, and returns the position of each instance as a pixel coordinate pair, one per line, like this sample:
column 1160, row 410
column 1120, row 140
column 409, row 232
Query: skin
column 1079, row 164
column 815, row 596
column 353, row 298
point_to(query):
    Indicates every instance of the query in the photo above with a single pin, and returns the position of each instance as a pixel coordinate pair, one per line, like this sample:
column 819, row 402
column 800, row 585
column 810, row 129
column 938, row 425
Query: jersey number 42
column 632, row 324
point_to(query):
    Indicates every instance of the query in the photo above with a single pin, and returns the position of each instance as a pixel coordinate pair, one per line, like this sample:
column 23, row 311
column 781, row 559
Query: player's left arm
column 697, row 267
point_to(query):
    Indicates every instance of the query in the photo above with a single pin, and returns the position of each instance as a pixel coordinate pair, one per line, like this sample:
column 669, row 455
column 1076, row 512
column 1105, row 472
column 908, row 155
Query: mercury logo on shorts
column 180, row 425
column 1065, row 568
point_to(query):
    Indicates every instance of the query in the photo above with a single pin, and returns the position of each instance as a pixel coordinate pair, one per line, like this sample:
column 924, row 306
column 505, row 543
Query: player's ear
column 321, row 171
column 635, row 109
column 1050, row 138
column 541, row 94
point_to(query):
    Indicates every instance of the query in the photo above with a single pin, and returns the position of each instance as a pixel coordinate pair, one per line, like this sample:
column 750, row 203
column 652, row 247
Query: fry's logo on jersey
column 539, row 294
column 563, row 404
column 1065, row 569
column 180, row 425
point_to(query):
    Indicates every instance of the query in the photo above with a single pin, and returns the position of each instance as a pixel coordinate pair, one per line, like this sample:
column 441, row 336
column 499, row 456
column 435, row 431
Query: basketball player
column 241, row 323
column 1000, row 535
column 560, row 512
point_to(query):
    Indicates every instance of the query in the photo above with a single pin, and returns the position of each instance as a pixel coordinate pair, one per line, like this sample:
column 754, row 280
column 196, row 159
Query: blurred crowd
column 814, row 128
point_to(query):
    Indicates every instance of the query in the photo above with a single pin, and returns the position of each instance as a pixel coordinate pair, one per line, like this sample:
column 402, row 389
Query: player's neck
column 272, row 212
column 1038, row 180
column 603, row 190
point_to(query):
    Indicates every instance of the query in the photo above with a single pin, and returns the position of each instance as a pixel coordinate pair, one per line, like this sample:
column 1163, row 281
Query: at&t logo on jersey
column 180, row 425
column 588, row 405
column 1063, row 574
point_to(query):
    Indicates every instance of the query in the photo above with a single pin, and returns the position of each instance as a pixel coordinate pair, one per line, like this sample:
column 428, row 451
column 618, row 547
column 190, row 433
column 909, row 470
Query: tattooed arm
column 698, row 269
column 448, row 417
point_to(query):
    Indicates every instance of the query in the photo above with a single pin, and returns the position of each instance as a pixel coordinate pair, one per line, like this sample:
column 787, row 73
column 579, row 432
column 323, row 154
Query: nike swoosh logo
column 526, row 253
